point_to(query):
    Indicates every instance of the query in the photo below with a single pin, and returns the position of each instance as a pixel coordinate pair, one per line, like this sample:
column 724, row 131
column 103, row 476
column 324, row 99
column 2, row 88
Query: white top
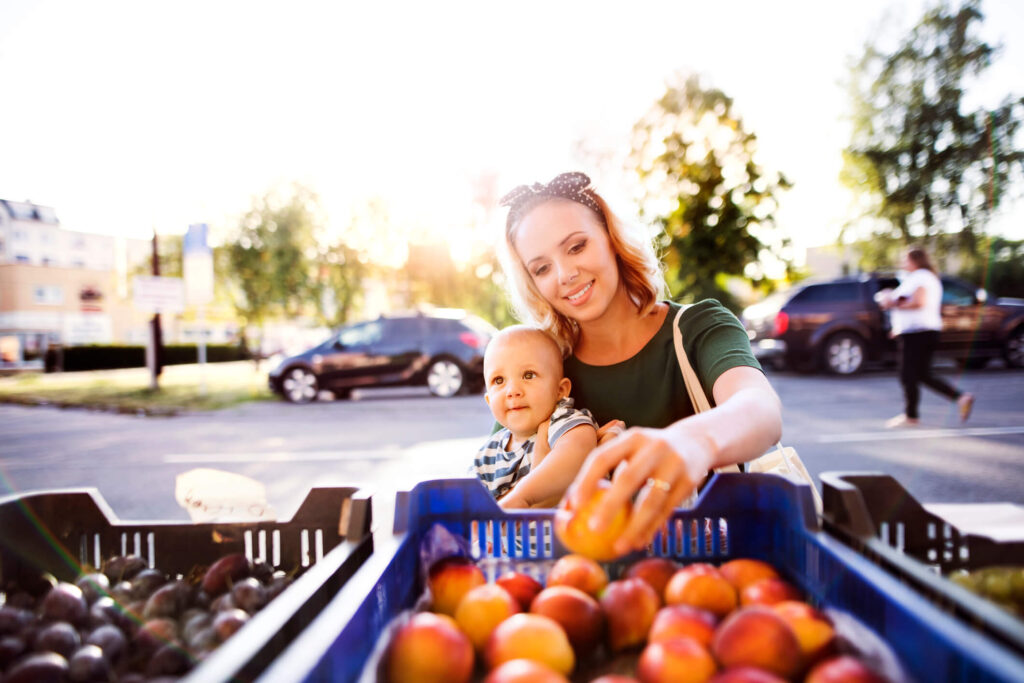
column 929, row 316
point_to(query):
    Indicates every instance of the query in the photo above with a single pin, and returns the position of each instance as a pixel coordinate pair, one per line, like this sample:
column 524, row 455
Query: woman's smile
column 580, row 294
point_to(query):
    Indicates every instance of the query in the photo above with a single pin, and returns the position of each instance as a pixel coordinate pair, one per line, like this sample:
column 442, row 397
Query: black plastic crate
column 875, row 515
column 59, row 531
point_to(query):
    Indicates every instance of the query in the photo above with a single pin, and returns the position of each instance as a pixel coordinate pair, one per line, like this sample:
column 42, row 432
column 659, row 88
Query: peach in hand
column 702, row 586
column 531, row 636
column 429, row 647
column 579, row 572
column 572, row 526
column 481, row 610
column 449, row 580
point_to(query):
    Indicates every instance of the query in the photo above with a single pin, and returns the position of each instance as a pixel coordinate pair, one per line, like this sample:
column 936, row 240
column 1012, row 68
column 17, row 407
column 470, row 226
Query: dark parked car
column 442, row 349
column 837, row 325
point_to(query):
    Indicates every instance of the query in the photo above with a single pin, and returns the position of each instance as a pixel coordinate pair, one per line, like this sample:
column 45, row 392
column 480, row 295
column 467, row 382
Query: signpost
column 198, row 269
column 155, row 294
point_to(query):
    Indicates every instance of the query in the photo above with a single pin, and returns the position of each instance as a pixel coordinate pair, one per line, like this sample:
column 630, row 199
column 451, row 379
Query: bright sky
column 127, row 115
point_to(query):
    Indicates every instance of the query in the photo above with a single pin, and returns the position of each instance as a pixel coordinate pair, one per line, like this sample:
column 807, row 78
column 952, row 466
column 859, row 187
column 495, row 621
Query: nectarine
column 522, row 587
column 654, row 570
column 531, row 636
column 576, row 612
column 757, row 636
column 482, row 609
column 677, row 660
column 682, row 620
column 746, row 674
column 413, row 654
column 843, row 669
column 768, row 592
column 814, row 630
column 450, row 579
column 573, row 527
column 743, row 571
column 629, row 606
column 703, row 586
column 524, row 671
column 579, row 572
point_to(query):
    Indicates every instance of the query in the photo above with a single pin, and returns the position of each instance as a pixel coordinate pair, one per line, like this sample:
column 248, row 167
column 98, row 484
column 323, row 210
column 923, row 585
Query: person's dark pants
column 916, row 350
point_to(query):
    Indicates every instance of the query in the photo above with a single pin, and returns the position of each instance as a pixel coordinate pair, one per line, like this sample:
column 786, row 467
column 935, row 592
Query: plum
column 167, row 601
column 93, row 586
column 88, row 665
column 123, row 567
column 60, row 637
column 146, row 582
column 11, row 647
column 14, row 619
column 168, row 660
column 65, row 602
column 249, row 594
column 224, row 572
column 45, row 667
column 228, row 622
column 110, row 639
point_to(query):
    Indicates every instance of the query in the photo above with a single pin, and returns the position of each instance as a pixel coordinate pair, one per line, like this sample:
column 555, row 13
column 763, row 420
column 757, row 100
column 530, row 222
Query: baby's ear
column 564, row 387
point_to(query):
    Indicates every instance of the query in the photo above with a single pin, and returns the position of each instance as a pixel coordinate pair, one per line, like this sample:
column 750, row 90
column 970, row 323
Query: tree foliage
column 701, row 185
column 921, row 164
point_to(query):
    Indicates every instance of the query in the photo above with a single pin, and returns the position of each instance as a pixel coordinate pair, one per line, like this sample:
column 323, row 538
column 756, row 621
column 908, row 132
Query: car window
column 827, row 293
column 480, row 325
column 361, row 334
column 402, row 328
column 956, row 294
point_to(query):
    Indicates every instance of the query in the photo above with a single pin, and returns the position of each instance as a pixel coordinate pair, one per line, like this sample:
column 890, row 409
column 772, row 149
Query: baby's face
column 524, row 382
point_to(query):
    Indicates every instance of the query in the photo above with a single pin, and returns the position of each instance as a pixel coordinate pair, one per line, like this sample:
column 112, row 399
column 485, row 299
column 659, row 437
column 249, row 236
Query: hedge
column 103, row 357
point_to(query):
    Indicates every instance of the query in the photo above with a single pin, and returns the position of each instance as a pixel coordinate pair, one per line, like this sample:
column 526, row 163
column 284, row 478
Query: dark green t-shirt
column 647, row 390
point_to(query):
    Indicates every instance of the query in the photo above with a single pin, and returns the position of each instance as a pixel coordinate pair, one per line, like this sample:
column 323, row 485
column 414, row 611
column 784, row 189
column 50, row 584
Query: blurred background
column 348, row 157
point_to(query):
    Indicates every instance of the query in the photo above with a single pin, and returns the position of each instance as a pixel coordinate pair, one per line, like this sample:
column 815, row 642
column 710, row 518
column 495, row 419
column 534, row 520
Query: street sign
column 198, row 266
column 153, row 294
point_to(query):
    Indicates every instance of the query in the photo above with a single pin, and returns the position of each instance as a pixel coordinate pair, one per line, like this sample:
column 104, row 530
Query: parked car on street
column 837, row 325
column 442, row 349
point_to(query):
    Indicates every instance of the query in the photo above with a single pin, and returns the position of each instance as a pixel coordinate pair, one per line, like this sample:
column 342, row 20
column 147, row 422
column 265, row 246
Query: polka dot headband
column 574, row 186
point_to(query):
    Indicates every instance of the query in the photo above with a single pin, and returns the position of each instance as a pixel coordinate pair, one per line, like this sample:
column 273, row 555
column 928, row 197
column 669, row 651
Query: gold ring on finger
column 659, row 484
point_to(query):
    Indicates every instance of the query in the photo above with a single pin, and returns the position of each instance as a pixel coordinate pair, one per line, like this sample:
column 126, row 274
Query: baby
column 544, row 440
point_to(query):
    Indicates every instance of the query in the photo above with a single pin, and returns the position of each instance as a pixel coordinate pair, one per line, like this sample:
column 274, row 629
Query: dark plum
column 203, row 640
column 146, row 582
column 11, row 647
column 153, row 635
column 60, row 637
column 262, row 572
column 167, row 601
column 249, row 594
column 194, row 625
column 93, row 586
column 277, row 586
column 223, row 603
column 14, row 619
column 88, row 665
column 228, row 622
column 64, row 602
column 111, row 640
column 45, row 667
column 224, row 572
column 168, row 660
column 123, row 567
column 106, row 611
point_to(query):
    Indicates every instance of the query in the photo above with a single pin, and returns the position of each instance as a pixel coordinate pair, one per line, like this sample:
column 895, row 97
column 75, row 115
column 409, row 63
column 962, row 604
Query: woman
column 574, row 271
column 916, row 317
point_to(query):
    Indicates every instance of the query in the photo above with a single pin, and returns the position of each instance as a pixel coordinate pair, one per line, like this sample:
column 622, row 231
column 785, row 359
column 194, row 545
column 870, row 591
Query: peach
column 769, row 592
column 843, row 669
column 814, row 630
column 614, row 678
column 573, row 527
column 746, row 674
column 682, row 620
column 757, row 636
column 743, row 571
column 482, row 609
column 524, row 671
column 413, row 654
column 629, row 606
column 679, row 660
column 522, row 587
column 576, row 612
column 655, row 571
column 579, row 572
column 449, row 580
column 531, row 636
column 702, row 586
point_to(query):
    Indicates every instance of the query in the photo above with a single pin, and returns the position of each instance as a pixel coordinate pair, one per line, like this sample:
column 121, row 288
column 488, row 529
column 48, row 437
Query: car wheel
column 445, row 378
column 1013, row 352
column 843, row 353
column 299, row 385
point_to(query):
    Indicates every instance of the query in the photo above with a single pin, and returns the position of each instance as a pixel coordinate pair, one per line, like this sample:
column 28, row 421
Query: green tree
column 339, row 282
column 700, row 184
column 920, row 163
column 272, row 257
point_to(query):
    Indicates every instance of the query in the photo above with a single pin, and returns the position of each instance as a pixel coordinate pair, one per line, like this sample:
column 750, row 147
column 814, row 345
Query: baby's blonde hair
column 519, row 331
column 639, row 269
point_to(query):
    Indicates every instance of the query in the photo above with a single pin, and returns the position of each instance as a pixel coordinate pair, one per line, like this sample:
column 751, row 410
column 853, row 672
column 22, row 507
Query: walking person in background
column 915, row 310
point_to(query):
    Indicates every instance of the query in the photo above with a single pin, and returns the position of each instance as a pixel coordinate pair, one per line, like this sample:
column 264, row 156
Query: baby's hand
column 540, row 445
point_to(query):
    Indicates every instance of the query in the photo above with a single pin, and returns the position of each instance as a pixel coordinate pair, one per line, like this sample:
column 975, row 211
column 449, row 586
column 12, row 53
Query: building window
column 48, row 295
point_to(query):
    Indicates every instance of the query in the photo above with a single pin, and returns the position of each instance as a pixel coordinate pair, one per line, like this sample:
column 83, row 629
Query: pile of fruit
column 738, row 622
column 1002, row 585
column 128, row 622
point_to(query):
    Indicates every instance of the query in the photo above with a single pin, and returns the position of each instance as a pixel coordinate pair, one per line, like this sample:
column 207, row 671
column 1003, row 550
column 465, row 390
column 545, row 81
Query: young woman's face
column 565, row 249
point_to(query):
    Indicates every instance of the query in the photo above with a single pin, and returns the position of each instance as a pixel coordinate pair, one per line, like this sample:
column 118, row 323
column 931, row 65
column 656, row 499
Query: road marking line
column 910, row 433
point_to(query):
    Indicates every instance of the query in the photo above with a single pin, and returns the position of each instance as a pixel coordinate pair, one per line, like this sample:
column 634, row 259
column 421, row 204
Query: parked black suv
column 837, row 325
column 442, row 348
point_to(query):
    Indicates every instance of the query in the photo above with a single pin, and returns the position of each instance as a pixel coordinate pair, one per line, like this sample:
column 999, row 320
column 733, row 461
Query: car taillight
column 473, row 339
column 781, row 324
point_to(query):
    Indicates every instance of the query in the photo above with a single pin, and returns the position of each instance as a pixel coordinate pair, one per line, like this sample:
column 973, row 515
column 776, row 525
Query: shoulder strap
column 693, row 388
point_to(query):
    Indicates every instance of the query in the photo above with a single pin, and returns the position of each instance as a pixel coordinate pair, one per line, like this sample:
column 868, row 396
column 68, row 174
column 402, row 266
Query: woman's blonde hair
column 639, row 268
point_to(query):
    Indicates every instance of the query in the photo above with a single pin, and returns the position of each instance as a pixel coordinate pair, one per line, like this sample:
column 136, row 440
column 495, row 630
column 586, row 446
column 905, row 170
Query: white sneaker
column 902, row 421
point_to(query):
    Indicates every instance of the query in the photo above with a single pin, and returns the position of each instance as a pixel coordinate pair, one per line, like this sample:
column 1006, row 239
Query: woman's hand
column 663, row 465
column 610, row 430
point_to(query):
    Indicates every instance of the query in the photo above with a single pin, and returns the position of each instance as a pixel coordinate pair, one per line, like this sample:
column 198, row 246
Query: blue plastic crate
column 760, row 516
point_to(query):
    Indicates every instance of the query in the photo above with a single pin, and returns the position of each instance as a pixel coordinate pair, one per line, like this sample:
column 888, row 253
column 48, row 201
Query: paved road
column 391, row 438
